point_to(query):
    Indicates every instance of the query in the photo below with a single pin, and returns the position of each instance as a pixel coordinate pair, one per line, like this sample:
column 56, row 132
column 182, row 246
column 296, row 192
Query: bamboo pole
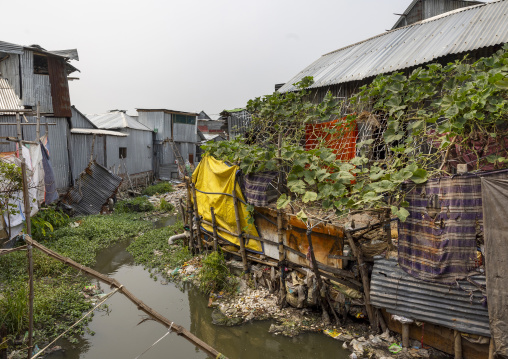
column 26, row 202
column 457, row 344
column 214, row 228
column 181, row 331
column 184, row 213
column 492, row 348
column 357, row 252
column 240, row 232
column 27, row 211
column 282, row 257
column 198, row 222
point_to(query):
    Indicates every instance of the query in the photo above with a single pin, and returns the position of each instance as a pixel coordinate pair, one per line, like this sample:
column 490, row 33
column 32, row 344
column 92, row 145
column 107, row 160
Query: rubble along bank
column 252, row 300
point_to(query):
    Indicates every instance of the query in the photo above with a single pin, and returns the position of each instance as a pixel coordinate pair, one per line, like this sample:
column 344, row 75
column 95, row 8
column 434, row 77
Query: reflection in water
column 121, row 335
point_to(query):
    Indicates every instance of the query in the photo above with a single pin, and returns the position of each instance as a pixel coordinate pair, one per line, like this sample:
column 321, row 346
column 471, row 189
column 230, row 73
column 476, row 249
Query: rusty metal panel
column 93, row 188
column 326, row 238
column 59, row 87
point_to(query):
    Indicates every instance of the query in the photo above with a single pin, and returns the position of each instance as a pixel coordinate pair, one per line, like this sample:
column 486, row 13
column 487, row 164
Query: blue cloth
column 51, row 194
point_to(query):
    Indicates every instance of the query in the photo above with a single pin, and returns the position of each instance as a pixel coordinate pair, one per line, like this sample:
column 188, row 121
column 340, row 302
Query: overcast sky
column 190, row 55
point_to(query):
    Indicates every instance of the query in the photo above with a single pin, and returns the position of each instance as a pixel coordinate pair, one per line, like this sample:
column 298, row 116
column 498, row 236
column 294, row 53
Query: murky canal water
column 119, row 334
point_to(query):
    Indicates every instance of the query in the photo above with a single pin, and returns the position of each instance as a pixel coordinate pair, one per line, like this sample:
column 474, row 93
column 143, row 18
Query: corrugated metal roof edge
column 167, row 111
column 435, row 18
column 91, row 131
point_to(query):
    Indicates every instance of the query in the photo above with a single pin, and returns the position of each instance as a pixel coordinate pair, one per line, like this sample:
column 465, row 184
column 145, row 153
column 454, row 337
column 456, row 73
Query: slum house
column 171, row 128
column 476, row 31
column 417, row 288
column 129, row 156
column 210, row 123
column 237, row 122
column 31, row 75
column 87, row 137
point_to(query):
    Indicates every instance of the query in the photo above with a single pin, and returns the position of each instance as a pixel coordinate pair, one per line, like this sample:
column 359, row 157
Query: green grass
column 143, row 247
column 133, row 205
column 58, row 301
column 160, row 188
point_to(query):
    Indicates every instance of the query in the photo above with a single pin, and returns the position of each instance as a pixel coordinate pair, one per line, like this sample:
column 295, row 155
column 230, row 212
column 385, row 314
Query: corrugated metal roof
column 71, row 54
column 460, row 31
column 8, row 98
column 116, row 119
column 93, row 188
column 92, row 131
column 10, row 48
column 448, row 306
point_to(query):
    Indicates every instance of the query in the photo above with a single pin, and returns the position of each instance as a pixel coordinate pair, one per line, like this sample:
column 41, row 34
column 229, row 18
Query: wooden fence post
column 282, row 256
column 239, row 231
column 191, row 221
column 357, row 252
column 198, row 218
column 457, row 345
column 214, row 227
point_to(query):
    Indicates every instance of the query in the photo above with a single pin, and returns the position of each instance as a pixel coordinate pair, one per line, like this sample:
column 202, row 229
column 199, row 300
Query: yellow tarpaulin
column 215, row 176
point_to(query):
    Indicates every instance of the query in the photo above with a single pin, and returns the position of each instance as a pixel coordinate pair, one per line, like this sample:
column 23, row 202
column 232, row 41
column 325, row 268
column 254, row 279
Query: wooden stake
column 240, row 232
column 184, row 213
column 324, row 303
column 214, row 227
column 388, row 230
column 198, row 222
column 282, row 256
column 405, row 335
column 458, row 344
column 357, row 252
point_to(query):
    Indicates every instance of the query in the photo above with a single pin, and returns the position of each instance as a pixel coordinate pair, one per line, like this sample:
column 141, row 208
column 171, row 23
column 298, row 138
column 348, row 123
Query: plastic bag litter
column 402, row 319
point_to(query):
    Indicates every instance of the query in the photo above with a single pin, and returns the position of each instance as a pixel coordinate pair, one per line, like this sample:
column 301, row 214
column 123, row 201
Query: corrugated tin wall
column 112, row 156
column 10, row 70
column 155, row 120
column 42, row 93
column 459, row 306
column 58, row 147
column 57, row 143
column 184, row 132
column 82, row 149
column 79, row 121
column 27, row 78
column 139, row 151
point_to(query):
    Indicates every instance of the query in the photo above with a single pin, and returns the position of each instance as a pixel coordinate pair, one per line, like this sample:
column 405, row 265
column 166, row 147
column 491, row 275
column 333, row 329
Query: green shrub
column 160, row 188
column 215, row 276
column 46, row 221
column 137, row 204
column 166, row 206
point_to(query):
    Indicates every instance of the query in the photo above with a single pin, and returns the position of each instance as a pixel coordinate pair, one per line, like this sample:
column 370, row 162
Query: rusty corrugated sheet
column 59, row 87
column 461, row 306
column 93, row 188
